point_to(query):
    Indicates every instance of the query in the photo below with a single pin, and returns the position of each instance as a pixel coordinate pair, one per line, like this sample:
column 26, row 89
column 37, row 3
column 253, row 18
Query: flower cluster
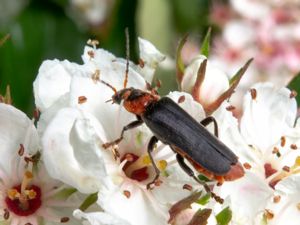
column 265, row 30
column 46, row 173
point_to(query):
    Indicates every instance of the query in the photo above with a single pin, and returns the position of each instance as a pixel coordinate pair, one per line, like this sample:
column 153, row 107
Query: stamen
column 247, row 166
column 82, row 99
column 269, row 214
column 13, row 194
column 127, row 193
column 162, row 165
column 298, row 206
column 6, row 214
column 64, row 219
column 31, row 194
column 187, row 187
column 282, row 141
column 253, row 93
column 21, row 150
column 276, row 198
column 146, row 160
column 293, row 146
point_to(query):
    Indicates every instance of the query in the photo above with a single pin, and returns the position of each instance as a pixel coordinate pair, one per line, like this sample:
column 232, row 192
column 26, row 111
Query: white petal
column 15, row 128
column 99, row 218
column 271, row 115
column 71, row 150
column 189, row 105
column 289, row 185
column 249, row 195
column 52, row 82
column 151, row 57
column 139, row 208
column 215, row 82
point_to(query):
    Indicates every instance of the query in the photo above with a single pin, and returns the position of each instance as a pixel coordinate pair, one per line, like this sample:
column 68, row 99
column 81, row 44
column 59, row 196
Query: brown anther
column 82, row 99
column 127, row 193
column 269, row 214
column 36, row 113
column 141, row 63
column 298, row 206
column 293, row 94
column 187, row 187
column 158, row 83
column 253, row 93
column 96, row 76
column 276, row 198
column 6, row 214
column 21, row 150
column 157, row 182
column 293, row 146
column 91, row 53
column 28, row 224
column 275, row 150
column 247, row 166
column 230, row 108
column 286, row 169
column 282, row 141
column 181, row 99
column 64, row 219
column 129, row 157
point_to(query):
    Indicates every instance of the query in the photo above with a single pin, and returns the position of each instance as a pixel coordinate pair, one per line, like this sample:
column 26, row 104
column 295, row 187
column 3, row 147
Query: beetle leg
column 190, row 172
column 151, row 146
column 209, row 120
column 131, row 125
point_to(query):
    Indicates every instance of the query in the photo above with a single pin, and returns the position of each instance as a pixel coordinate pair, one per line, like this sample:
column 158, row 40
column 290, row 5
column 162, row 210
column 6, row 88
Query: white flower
column 27, row 194
column 266, row 145
column 214, row 84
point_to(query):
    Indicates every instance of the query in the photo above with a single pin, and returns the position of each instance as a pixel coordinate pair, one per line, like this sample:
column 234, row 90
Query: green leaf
column 90, row 200
column 65, row 193
column 224, row 217
column 295, row 85
column 206, row 43
column 203, row 178
column 204, row 199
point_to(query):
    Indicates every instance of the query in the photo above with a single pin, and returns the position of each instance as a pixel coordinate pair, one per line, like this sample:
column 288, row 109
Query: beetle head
column 121, row 95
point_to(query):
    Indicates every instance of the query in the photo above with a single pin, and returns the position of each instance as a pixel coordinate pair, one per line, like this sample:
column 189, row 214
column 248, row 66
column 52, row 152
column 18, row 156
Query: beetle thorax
column 138, row 101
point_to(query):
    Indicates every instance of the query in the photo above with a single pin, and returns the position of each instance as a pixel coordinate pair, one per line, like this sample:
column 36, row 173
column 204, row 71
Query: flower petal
column 267, row 117
column 71, row 149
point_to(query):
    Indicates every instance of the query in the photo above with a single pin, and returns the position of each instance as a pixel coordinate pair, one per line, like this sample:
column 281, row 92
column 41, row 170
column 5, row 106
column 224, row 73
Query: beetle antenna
column 108, row 85
column 207, row 189
column 127, row 56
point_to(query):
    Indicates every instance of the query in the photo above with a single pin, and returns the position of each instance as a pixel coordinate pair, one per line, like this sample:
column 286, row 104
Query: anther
column 82, row 99
column 6, row 214
column 276, row 198
column 141, row 63
column 253, row 93
column 230, row 108
column 96, row 76
column 64, row 219
column 162, row 165
column 91, row 53
column 127, row 193
column 21, row 150
column 247, row 166
column 181, row 99
column 269, row 214
column 298, row 206
column 293, row 147
column 187, row 187
column 282, row 141
column 293, row 94
column 286, row 169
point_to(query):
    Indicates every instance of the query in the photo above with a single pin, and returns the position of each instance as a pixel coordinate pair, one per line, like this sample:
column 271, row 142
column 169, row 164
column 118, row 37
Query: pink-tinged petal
column 251, row 9
column 248, row 195
column 269, row 113
column 71, row 149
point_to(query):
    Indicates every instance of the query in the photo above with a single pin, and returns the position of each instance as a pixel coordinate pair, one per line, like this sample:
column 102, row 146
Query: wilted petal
column 71, row 149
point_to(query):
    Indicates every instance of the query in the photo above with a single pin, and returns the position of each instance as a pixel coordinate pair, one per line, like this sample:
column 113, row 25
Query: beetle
column 173, row 126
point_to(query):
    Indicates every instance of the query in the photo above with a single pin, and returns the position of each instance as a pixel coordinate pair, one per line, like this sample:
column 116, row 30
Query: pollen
column 269, row 214
column 31, row 194
column 276, row 198
column 297, row 162
column 13, row 194
column 28, row 175
column 162, row 165
column 146, row 160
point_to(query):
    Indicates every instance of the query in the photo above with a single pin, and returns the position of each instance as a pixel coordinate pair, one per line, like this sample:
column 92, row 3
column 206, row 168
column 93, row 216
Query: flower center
column 24, row 199
column 136, row 167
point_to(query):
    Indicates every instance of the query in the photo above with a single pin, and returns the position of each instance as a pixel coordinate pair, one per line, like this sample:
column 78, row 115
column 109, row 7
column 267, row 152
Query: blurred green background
column 51, row 29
